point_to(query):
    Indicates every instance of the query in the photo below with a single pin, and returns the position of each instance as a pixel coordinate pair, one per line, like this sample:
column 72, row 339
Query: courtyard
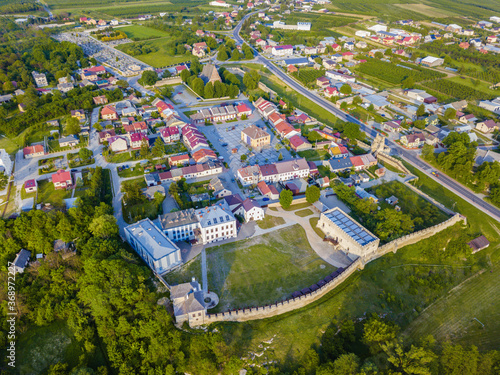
column 259, row 270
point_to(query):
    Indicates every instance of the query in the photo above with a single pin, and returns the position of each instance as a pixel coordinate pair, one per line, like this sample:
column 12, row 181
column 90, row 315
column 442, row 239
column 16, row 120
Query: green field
column 314, row 154
column 138, row 32
column 160, row 58
column 304, row 213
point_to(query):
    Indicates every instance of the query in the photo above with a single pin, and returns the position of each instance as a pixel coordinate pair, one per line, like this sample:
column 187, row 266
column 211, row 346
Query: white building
column 377, row 28
column 205, row 225
column 219, row 3
column 40, row 79
column 351, row 236
column 188, row 302
column 251, row 210
column 5, row 162
column 156, row 249
column 363, row 33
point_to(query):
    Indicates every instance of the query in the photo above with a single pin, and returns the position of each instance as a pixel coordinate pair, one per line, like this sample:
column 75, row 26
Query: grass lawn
column 160, row 58
column 47, row 194
column 304, row 213
column 314, row 222
column 121, row 157
column 270, row 222
column 136, row 212
column 138, row 32
column 297, row 206
column 263, row 269
column 314, row 154
column 40, row 347
column 140, row 180
column 25, row 195
column 189, row 113
column 137, row 170
column 185, row 273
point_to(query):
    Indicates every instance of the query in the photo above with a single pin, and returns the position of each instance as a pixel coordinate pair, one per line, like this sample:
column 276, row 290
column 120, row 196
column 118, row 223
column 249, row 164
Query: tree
column 420, row 124
column 98, row 127
column 286, row 198
column 251, row 79
column 351, row 131
column 72, row 126
column 104, row 226
column 457, row 360
column 148, row 78
column 84, row 153
column 220, row 89
column 198, row 86
column 196, row 66
column 144, row 151
column 4, row 180
column 280, row 157
column 428, row 152
column 185, row 74
column 346, row 364
column 166, row 91
column 379, row 55
column 209, row 91
column 8, row 86
column 346, row 89
column 158, row 149
column 222, row 54
column 312, row 194
column 377, row 333
column 357, row 100
column 243, row 157
column 343, row 105
column 121, row 83
column 421, row 110
column 414, row 361
column 450, row 113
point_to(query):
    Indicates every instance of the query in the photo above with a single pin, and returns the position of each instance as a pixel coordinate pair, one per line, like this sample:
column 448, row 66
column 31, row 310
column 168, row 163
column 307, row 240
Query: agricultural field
column 308, row 75
column 461, row 89
column 396, row 74
column 427, row 10
column 319, row 21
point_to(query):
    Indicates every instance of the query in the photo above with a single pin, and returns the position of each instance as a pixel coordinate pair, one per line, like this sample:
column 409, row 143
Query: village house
column 117, row 144
column 100, row 100
column 413, row 140
column 391, row 127
column 106, row 134
column 299, row 143
column 69, row 141
column 33, row 151
column 78, row 114
column 62, row 179
column 488, row 126
column 30, row 186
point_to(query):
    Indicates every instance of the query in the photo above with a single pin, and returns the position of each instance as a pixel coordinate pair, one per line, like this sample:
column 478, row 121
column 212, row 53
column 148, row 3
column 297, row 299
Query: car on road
column 74, row 170
column 198, row 98
column 434, row 173
column 224, row 144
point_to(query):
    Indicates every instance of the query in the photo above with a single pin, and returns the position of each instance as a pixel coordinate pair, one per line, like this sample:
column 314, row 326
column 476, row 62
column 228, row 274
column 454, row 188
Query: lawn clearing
column 134, row 171
column 314, row 154
column 426, row 10
column 138, row 32
column 47, row 194
column 270, row 222
column 304, row 213
column 263, row 269
column 160, row 58
column 297, row 206
column 314, row 222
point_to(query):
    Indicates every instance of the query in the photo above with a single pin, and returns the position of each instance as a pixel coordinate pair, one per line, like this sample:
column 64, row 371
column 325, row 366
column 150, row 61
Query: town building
column 413, row 140
column 40, row 79
column 280, row 171
column 205, row 225
column 255, row 137
column 62, row 179
column 209, row 73
column 153, row 246
column 188, row 301
column 251, row 210
column 21, row 261
column 117, row 143
column 349, row 235
column 5, row 163
column 488, row 126
column 268, row 190
column 69, row 141
column 30, row 186
column 33, row 151
column 220, row 191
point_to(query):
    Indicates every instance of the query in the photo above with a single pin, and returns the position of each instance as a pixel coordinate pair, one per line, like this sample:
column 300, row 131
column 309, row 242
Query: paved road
column 410, row 156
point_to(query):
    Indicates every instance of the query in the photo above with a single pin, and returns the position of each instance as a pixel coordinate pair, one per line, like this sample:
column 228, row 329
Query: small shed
column 478, row 244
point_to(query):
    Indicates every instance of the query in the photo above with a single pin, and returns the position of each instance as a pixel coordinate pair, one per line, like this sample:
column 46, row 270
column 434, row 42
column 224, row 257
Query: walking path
column 326, row 252
column 204, row 275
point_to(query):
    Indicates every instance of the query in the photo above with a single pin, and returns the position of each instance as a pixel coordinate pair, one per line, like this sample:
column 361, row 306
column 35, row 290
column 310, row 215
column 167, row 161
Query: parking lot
column 227, row 137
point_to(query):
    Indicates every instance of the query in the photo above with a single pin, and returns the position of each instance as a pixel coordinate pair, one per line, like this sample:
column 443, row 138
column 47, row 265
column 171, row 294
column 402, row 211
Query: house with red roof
column 322, row 82
column 204, row 155
column 243, row 109
column 200, row 33
column 170, row 134
column 30, row 186
column 62, row 179
column 109, row 113
column 299, row 143
column 175, row 160
column 136, row 140
column 336, row 47
column 98, row 69
column 137, row 127
column 106, row 134
column 331, row 91
column 33, row 151
column 348, row 56
column 269, row 191
column 180, row 68
column 285, row 130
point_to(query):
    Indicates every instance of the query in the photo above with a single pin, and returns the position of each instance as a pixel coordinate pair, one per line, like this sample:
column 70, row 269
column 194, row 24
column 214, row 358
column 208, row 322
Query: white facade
column 159, row 252
column 5, row 162
column 362, row 33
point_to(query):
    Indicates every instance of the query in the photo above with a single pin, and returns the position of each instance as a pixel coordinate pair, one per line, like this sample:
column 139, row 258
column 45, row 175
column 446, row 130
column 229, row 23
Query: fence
column 393, row 162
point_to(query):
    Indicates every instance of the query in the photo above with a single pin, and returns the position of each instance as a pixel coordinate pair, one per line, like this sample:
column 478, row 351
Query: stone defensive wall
column 324, row 286
column 393, row 162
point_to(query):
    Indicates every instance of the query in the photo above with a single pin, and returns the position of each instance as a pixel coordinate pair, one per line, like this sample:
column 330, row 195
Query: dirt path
column 8, row 198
